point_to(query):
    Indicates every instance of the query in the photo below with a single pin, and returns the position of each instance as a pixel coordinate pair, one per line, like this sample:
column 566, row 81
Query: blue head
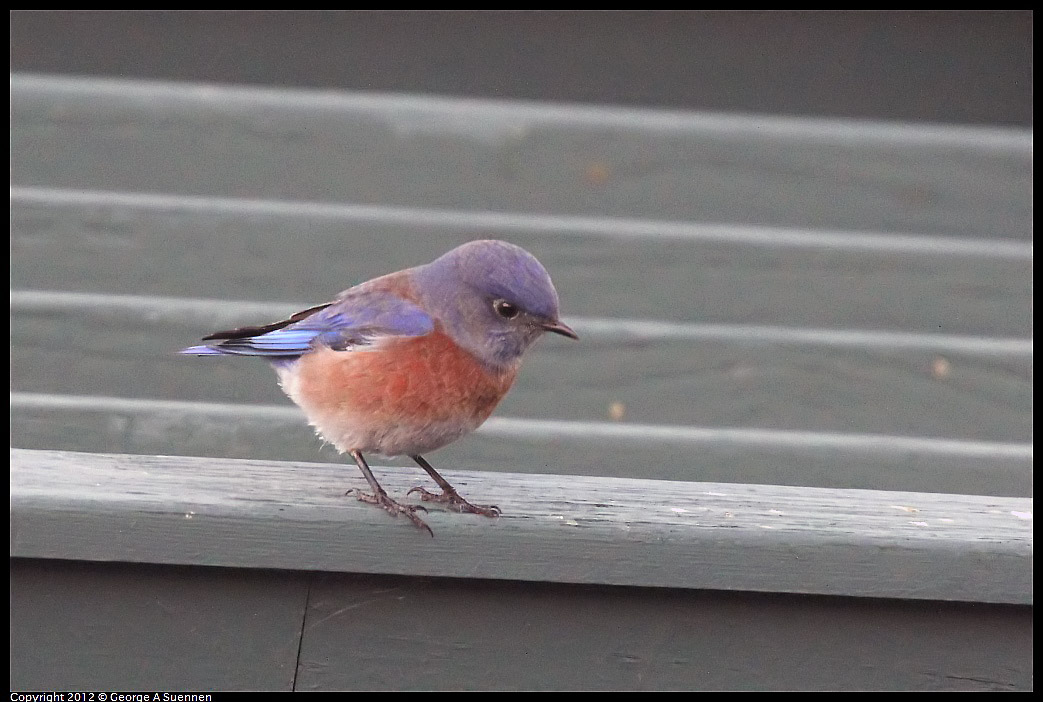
column 493, row 298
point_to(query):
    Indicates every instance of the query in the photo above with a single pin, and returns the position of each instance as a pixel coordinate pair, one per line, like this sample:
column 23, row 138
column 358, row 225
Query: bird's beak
column 560, row 328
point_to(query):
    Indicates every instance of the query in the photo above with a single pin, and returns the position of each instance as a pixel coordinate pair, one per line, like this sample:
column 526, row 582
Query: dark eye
column 505, row 309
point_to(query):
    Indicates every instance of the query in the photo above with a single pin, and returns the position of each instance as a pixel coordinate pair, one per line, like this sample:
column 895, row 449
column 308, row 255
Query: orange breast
column 418, row 380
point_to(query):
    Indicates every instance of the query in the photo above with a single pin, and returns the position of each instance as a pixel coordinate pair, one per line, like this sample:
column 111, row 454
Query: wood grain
column 609, row 531
column 519, row 157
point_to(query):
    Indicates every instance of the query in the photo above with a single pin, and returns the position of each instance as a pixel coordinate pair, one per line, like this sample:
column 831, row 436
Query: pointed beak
column 559, row 327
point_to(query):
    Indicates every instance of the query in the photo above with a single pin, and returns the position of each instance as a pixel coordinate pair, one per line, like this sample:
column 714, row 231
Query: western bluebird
column 408, row 362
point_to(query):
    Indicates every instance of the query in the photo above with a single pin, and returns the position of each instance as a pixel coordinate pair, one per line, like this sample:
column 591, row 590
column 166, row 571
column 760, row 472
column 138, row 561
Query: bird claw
column 381, row 499
column 453, row 501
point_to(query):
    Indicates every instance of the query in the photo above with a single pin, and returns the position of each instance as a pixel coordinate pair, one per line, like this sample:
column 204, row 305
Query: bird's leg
column 380, row 498
column 450, row 497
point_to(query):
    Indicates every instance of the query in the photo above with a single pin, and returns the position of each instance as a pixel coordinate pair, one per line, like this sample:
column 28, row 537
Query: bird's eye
column 505, row 309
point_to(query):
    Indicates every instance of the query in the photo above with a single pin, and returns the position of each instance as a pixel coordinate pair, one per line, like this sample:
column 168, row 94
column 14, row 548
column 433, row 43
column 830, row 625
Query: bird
column 408, row 362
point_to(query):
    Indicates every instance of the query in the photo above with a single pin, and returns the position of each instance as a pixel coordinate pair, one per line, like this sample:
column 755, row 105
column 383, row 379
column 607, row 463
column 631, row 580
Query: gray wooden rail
column 601, row 531
column 668, row 542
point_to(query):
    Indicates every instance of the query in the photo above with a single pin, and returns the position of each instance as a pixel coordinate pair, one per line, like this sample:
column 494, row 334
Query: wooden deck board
column 607, row 531
column 504, row 156
column 505, row 444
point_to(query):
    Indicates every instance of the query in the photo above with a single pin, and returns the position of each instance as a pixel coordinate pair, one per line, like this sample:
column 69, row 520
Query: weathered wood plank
column 212, row 628
column 518, row 445
column 709, row 384
column 381, row 632
column 941, row 392
column 197, row 312
column 122, row 627
column 509, row 156
column 569, row 530
column 295, row 252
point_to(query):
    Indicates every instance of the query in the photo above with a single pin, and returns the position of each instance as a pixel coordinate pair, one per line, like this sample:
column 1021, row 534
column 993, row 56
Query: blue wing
column 356, row 320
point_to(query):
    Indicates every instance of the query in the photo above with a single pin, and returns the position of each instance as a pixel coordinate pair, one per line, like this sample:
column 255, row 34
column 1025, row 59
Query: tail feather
column 201, row 351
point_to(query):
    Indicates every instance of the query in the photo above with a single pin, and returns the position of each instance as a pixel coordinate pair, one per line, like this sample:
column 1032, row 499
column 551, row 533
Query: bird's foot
column 451, row 499
column 381, row 499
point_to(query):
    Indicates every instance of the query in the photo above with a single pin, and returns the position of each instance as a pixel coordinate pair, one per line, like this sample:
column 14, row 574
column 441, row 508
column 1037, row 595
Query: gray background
column 771, row 226
column 798, row 248
column 972, row 67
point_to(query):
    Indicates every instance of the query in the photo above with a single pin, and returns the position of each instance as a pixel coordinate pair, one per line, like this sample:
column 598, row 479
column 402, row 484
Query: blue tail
column 202, row 351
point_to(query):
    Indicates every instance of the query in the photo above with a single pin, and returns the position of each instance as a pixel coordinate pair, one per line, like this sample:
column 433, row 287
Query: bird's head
column 493, row 298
